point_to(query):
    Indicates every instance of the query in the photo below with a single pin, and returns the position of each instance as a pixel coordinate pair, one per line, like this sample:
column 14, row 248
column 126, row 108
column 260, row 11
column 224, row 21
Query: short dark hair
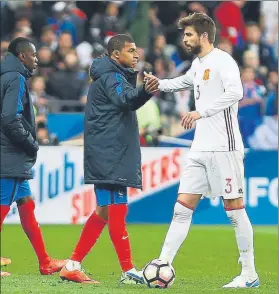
column 41, row 125
column 46, row 29
column 201, row 22
column 252, row 24
column 19, row 45
column 117, row 42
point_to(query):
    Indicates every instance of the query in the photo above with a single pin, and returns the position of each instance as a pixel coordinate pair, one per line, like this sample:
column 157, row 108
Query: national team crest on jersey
column 206, row 75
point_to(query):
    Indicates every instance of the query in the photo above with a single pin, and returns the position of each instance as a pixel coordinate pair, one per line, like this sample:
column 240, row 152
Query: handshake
column 151, row 83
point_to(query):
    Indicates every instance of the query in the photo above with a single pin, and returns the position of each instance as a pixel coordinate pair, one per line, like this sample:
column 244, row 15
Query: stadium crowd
column 69, row 35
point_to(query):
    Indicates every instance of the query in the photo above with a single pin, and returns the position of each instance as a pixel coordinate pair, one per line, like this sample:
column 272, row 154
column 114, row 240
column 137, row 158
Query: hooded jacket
column 18, row 133
column 112, row 152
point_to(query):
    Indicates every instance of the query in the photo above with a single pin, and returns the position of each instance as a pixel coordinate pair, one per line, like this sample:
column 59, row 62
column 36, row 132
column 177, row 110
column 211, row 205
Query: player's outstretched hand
column 148, row 76
column 189, row 118
column 151, row 83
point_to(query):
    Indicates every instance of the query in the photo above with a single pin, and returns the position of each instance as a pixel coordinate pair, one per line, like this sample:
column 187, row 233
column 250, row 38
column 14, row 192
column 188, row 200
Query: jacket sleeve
column 11, row 114
column 122, row 94
column 233, row 89
column 179, row 83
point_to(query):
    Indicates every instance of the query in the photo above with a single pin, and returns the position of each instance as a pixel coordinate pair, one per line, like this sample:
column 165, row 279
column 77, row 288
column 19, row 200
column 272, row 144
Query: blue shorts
column 110, row 194
column 12, row 190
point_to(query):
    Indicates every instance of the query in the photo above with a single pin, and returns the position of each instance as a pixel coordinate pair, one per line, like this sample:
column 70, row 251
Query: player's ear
column 116, row 53
column 21, row 56
column 205, row 36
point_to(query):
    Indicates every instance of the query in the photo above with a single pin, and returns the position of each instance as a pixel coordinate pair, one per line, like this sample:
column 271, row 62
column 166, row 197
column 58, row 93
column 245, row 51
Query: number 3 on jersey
column 198, row 92
column 228, row 189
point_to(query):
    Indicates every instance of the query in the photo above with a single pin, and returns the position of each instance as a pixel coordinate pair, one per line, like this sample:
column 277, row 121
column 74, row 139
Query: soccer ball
column 158, row 274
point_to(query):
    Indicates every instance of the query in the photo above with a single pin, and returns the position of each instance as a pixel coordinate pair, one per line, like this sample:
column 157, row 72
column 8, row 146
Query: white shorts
column 213, row 174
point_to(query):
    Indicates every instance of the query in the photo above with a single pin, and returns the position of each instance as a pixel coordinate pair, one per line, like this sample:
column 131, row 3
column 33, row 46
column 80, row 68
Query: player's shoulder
column 222, row 57
column 195, row 62
column 11, row 76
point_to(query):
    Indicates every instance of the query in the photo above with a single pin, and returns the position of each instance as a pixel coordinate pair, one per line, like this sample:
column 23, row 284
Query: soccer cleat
column 77, row 276
column 5, row 261
column 52, row 266
column 132, row 277
column 242, row 281
column 4, row 274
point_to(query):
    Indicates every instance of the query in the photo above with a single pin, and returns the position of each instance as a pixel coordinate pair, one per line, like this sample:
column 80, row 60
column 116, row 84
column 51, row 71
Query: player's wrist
column 202, row 114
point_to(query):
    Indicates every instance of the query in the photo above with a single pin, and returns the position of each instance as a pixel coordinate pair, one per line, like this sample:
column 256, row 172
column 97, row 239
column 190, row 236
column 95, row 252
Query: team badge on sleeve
column 206, row 75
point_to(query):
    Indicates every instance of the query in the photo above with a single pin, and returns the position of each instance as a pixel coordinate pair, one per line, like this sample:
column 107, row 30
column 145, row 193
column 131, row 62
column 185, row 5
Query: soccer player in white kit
column 214, row 165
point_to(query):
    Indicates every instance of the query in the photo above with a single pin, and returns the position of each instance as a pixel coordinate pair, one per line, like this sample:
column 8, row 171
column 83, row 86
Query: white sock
column 131, row 270
column 177, row 232
column 72, row 265
column 244, row 238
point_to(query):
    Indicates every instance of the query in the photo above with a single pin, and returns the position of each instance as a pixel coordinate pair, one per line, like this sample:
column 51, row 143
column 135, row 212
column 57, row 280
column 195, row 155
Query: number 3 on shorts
column 228, row 190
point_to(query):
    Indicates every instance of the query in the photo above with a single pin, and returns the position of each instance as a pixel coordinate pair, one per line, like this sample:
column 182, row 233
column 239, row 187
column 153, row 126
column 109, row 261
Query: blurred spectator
column 230, row 19
column 46, row 64
column 104, row 26
column 252, row 105
column 255, row 44
column 22, row 32
column 226, row 46
column 156, row 27
column 23, row 22
column 137, row 21
column 272, row 94
column 159, row 50
column 43, row 137
column 251, row 11
column 6, row 19
column 21, row 8
column 266, row 135
column 85, row 52
column 251, row 59
column 61, row 21
column 269, row 21
column 202, row 6
column 38, row 95
column 65, row 46
column 149, row 122
column 70, row 83
column 78, row 18
column 48, row 38
column 4, row 47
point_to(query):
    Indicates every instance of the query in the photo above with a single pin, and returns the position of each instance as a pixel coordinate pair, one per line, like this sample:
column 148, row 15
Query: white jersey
column 217, row 86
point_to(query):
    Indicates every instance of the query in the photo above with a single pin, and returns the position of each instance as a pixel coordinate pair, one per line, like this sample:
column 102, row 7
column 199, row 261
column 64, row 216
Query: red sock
column 4, row 210
column 32, row 230
column 119, row 235
column 89, row 236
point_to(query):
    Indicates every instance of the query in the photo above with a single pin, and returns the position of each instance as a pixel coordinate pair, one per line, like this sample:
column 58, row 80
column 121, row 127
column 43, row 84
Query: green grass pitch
column 207, row 260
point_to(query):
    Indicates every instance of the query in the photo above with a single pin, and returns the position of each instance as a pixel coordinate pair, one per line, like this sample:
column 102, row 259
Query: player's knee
column 24, row 200
column 182, row 213
column 233, row 204
column 102, row 211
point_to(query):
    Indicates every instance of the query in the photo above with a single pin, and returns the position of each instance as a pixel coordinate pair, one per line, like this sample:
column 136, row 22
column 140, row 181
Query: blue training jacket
column 112, row 152
column 17, row 130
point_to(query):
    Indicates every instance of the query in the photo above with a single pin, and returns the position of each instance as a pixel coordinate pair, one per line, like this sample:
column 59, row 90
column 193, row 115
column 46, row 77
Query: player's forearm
column 175, row 85
column 135, row 99
column 226, row 100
